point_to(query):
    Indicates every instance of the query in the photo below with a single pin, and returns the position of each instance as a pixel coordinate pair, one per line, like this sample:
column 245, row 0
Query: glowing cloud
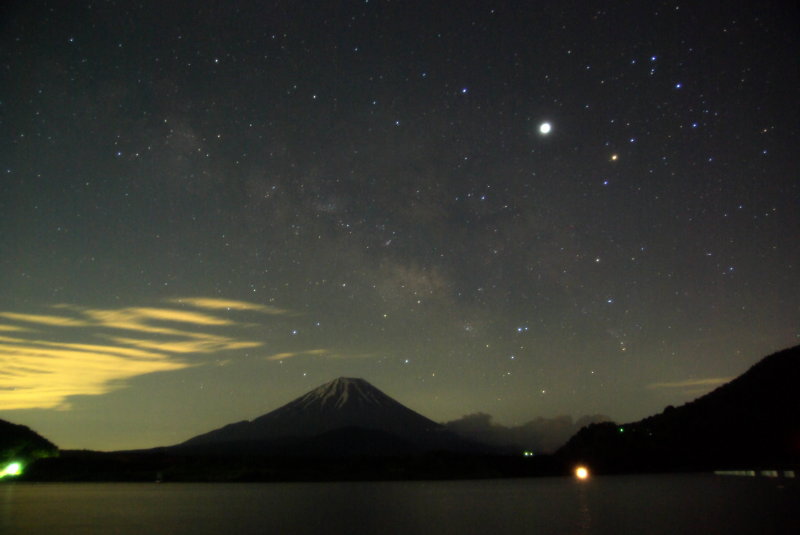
column 181, row 316
column 292, row 354
column 211, row 344
column 319, row 352
column 691, row 383
column 43, row 367
column 122, row 351
column 55, row 321
column 9, row 328
column 44, row 377
column 136, row 319
column 211, row 303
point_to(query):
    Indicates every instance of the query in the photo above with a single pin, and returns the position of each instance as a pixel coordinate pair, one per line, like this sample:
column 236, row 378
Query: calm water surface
column 675, row 504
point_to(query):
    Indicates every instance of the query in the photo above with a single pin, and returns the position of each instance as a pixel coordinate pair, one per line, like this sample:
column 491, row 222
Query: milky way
column 209, row 209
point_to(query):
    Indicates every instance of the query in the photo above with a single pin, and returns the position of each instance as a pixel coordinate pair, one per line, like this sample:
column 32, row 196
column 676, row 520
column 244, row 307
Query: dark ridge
column 20, row 443
column 751, row 422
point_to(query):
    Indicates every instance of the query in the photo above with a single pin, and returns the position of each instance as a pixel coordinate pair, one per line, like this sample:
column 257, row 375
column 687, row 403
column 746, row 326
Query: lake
column 668, row 504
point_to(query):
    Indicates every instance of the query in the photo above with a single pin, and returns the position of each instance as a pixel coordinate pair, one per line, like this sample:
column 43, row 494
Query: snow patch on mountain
column 339, row 392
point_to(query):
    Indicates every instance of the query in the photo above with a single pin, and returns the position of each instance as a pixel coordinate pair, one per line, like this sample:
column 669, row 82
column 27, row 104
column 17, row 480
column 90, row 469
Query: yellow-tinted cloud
column 56, row 321
column 211, row 344
column 42, row 368
column 167, row 314
column 213, row 303
column 136, row 319
column 122, row 351
column 44, row 377
column 9, row 328
column 11, row 339
column 292, row 354
column 319, row 352
column 117, row 350
column 692, row 383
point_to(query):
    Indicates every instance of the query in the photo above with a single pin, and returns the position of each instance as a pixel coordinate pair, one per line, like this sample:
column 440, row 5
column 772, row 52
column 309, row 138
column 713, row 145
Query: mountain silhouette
column 750, row 422
column 346, row 415
column 20, row 443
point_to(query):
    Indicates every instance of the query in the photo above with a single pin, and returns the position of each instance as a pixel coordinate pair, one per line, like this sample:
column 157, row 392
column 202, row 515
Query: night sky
column 526, row 209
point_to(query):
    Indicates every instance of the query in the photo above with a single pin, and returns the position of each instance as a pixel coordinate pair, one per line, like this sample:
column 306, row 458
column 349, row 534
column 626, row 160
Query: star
column 424, row 189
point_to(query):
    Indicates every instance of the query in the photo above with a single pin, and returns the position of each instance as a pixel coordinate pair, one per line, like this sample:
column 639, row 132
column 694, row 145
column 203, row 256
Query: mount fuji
column 342, row 417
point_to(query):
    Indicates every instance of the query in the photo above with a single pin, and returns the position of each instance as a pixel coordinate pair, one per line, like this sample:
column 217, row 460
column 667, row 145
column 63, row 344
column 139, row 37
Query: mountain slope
column 344, row 403
column 18, row 442
column 752, row 421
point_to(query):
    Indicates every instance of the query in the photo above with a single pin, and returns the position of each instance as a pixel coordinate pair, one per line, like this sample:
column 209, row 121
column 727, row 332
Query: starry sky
column 525, row 209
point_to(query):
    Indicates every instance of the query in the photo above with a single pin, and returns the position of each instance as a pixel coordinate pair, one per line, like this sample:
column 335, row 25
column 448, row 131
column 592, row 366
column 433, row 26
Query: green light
column 12, row 469
column 621, row 429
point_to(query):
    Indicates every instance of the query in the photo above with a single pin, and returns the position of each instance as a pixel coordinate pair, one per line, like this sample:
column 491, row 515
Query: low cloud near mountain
column 542, row 435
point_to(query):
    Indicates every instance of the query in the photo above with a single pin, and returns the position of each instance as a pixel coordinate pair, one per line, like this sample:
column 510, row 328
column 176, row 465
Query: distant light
column 614, row 157
column 527, row 453
column 12, row 469
column 582, row 472
column 545, row 128
column 621, row 429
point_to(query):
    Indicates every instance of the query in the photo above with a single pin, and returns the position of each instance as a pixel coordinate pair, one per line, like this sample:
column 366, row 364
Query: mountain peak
column 345, row 402
column 346, row 383
column 343, row 391
column 347, row 380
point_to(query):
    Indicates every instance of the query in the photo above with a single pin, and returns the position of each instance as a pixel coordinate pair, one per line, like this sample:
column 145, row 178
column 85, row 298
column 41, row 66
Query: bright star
column 545, row 128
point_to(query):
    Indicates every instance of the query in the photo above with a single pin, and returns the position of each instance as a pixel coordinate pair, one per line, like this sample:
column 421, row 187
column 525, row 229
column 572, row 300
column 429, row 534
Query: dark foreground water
column 673, row 504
